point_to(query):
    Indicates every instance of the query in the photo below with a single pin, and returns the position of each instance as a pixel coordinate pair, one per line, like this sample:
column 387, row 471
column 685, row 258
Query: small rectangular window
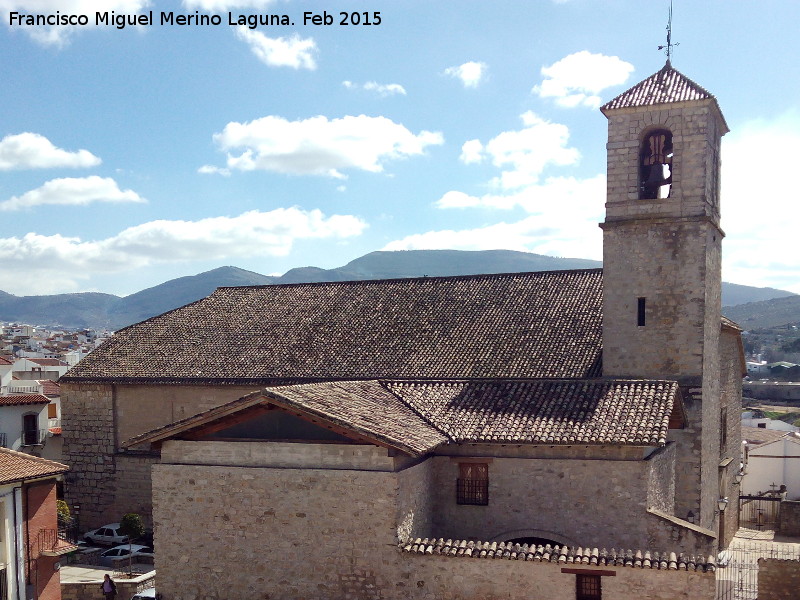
column 472, row 486
column 640, row 312
column 587, row 587
column 52, row 410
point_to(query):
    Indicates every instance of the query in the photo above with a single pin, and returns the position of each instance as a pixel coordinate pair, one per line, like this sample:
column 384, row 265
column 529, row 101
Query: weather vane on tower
column 669, row 45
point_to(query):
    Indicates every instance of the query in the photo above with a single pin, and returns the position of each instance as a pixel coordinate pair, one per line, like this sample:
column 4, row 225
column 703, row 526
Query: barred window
column 587, row 587
column 472, row 486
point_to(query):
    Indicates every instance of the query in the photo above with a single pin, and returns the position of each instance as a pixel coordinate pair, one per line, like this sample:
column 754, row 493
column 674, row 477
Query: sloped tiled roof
column 366, row 407
column 761, row 435
column 21, row 399
column 664, row 86
column 544, row 324
column 545, row 412
column 639, row 559
column 5, row 361
column 417, row 416
column 49, row 362
column 50, row 388
column 15, row 466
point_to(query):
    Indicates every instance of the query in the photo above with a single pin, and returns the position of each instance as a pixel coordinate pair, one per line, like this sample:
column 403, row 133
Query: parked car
column 147, row 594
column 110, row 557
column 107, row 535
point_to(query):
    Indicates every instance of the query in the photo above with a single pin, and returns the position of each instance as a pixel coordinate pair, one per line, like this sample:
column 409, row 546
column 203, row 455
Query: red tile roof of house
column 21, row 399
column 49, row 362
column 5, row 361
column 16, row 466
column 50, row 387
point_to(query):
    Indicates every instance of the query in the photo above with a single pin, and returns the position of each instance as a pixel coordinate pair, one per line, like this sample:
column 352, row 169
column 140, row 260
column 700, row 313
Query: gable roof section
column 418, row 416
column 22, row 399
column 16, row 466
column 664, row 86
column 521, row 325
column 757, row 436
column 546, row 412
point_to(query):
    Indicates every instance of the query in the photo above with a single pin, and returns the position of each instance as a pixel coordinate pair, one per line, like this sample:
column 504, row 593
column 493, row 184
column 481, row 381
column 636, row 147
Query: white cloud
column 33, row 151
column 36, row 264
column 218, row 6
column 470, row 73
column 72, row 191
column 59, row 36
column 564, row 213
column 292, row 51
column 318, row 146
column 759, row 204
column 525, row 153
column 577, row 79
column 471, row 152
column 212, row 170
column 382, row 89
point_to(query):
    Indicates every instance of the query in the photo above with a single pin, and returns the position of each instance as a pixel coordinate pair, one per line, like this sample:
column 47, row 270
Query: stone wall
column 731, row 443
column 222, row 532
column 98, row 418
column 778, row 579
column 87, row 417
column 90, row 590
column 573, row 501
column 237, row 532
column 790, row 518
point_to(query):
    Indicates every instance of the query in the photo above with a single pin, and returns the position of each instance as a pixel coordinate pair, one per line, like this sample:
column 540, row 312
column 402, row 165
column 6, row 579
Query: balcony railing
column 3, row 443
column 33, row 437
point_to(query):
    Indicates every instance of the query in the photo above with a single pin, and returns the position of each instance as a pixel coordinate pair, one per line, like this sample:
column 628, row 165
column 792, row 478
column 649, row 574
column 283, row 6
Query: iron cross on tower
column 669, row 45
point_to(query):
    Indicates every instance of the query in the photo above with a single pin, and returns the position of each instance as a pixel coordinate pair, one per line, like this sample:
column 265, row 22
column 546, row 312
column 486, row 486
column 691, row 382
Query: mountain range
column 91, row 309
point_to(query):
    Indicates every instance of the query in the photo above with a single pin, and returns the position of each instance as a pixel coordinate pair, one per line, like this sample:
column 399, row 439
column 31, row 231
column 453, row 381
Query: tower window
column 587, row 587
column 472, row 486
column 640, row 320
column 655, row 165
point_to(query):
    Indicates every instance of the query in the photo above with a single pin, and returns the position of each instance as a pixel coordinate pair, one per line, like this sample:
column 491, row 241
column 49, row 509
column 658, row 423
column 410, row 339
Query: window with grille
column 587, row 587
column 472, row 486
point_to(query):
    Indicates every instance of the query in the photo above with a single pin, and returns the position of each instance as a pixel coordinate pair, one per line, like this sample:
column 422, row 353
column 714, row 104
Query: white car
column 107, row 535
column 111, row 556
column 147, row 594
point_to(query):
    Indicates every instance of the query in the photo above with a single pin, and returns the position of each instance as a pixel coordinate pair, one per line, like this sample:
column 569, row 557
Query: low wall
column 90, row 590
column 790, row 518
column 778, row 579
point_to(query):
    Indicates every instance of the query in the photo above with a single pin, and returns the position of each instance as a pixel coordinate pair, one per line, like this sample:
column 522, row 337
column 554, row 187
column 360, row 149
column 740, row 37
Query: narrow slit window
column 640, row 319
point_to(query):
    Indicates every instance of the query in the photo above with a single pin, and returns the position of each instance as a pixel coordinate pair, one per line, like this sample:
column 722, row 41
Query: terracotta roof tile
column 418, row 416
column 15, row 466
column 20, row 399
column 5, row 361
column 50, row 388
column 664, row 86
column 49, row 362
column 545, row 324
column 366, row 407
column 760, row 435
column 545, row 412
column 640, row 559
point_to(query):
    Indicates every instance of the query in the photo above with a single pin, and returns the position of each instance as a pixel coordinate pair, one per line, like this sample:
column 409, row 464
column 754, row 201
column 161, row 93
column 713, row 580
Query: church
column 372, row 439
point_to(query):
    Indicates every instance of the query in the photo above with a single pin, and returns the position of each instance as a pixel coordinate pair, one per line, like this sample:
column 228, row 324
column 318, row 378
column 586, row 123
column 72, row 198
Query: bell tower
column 661, row 259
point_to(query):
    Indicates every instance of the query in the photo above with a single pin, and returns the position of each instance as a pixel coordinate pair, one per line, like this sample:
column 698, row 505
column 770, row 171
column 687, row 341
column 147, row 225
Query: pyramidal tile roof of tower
column 662, row 87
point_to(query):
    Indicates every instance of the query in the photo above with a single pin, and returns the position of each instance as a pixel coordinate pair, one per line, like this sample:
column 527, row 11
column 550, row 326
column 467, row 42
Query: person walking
column 109, row 587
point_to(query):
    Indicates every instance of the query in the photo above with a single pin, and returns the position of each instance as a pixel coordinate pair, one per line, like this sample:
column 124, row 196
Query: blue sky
column 132, row 156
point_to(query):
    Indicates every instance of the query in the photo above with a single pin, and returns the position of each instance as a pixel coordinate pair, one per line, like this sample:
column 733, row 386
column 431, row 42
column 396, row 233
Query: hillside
column 764, row 305
column 767, row 313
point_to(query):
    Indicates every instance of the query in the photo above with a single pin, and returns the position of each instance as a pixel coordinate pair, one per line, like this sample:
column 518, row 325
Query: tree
column 131, row 525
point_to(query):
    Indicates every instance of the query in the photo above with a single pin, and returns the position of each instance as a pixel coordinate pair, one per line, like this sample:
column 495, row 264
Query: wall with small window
column 577, row 501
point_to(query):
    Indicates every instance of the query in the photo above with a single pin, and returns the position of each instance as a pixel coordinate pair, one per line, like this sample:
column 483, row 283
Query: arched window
column 655, row 165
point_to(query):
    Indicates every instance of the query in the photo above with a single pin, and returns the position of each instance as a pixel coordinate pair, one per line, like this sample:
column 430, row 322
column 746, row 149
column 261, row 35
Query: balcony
column 33, row 437
column 55, row 542
column 3, row 443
